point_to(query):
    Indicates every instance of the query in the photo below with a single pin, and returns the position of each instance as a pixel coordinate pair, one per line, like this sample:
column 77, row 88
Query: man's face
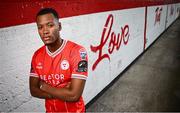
column 48, row 28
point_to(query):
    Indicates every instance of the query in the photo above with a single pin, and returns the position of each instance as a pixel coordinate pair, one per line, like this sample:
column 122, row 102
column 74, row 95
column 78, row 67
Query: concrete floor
column 151, row 83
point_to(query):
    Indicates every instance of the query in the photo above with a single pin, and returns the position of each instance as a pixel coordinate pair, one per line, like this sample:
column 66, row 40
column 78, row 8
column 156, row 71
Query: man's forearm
column 35, row 89
column 36, row 92
column 71, row 93
column 62, row 93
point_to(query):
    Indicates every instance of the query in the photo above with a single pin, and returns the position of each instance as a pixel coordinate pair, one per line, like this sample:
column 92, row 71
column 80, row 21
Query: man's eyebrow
column 44, row 23
column 38, row 24
column 49, row 22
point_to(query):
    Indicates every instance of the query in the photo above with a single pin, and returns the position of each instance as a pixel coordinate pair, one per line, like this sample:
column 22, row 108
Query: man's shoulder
column 40, row 50
column 77, row 49
column 74, row 45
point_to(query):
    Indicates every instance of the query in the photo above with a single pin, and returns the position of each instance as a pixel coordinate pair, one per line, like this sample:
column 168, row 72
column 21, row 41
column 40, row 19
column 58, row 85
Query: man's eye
column 50, row 25
column 39, row 27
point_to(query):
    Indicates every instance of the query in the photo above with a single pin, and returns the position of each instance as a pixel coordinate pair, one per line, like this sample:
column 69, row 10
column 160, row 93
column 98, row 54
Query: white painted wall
column 155, row 27
column 17, row 44
column 171, row 12
column 177, row 10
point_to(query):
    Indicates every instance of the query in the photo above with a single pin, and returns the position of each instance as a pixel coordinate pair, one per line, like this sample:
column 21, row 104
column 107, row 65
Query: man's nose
column 45, row 30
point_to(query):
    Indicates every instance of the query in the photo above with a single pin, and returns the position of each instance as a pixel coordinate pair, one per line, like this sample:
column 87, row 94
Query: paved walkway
column 151, row 83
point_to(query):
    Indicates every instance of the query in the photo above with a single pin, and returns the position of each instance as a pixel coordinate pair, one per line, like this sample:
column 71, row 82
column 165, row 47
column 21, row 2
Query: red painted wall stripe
column 23, row 11
column 145, row 26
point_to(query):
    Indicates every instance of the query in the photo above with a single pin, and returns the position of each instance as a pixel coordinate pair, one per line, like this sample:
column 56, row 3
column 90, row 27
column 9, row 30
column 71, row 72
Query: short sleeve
column 79, row 63
column 33, row 71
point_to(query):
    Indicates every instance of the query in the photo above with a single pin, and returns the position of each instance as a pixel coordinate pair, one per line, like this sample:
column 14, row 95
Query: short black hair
column 46, row 11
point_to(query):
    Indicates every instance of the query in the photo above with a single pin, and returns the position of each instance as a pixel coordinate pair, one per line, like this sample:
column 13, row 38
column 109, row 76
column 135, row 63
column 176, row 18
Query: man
column 59, row 68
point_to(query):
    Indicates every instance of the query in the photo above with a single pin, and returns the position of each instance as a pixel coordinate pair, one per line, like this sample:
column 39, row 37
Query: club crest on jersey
column 64, row 65
column 83, row 53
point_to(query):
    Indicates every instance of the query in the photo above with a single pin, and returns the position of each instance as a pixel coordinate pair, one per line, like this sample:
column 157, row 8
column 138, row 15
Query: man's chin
column 47, row 44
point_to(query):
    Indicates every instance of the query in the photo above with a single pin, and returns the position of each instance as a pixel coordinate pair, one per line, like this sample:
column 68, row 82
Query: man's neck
column 53, row 47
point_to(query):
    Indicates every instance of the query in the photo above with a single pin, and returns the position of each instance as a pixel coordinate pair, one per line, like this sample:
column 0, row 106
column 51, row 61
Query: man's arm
column 71, row 93
column 35, row 90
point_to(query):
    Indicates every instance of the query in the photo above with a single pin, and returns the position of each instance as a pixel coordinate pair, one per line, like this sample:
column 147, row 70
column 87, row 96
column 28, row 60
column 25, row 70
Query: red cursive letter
column 115, row 40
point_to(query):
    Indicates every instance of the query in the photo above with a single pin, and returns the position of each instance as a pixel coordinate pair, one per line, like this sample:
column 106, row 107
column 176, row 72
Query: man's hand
column 35, row 90
column 44, row 86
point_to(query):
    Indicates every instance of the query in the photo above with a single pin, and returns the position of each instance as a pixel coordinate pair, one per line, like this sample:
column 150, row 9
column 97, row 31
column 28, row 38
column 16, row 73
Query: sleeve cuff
column 78, row 76
column 34, row 75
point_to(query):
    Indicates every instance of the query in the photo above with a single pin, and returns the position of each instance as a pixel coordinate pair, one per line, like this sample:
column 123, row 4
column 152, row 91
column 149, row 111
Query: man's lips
column 46, row 38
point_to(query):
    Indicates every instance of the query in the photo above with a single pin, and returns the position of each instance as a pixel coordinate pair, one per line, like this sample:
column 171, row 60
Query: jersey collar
column 57, row 51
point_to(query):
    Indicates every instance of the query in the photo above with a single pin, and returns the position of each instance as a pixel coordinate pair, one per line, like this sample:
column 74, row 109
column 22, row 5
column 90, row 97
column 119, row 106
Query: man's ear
column 60, row 26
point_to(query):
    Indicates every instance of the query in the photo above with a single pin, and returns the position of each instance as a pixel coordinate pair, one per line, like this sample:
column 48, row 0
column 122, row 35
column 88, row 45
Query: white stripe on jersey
column 34, row 75
column 79, row 76
column 58, row 50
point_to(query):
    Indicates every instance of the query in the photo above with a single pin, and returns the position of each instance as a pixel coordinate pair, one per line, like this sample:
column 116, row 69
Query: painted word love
column 158, row 15
column 115, row 40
